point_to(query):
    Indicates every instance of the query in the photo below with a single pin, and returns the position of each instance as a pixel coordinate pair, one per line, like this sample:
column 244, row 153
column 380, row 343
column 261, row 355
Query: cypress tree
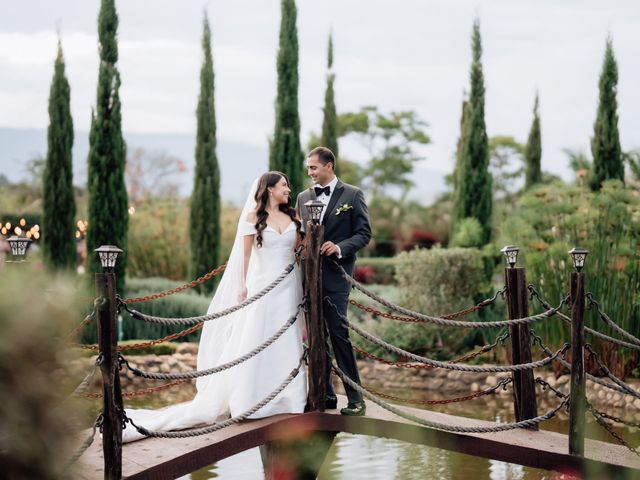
column 205, row 199
column 473, row 196
column 286, row 153
column 330, row 121
column 605, row 144
column 533, row 150
column 59, row 209
column 108, row 203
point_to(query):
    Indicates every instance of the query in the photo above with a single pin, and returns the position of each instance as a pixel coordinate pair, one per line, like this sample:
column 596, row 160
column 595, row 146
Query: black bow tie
column 320, row 190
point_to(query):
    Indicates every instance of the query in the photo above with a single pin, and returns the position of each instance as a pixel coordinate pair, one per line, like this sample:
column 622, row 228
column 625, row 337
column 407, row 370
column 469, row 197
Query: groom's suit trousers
column 338, row 336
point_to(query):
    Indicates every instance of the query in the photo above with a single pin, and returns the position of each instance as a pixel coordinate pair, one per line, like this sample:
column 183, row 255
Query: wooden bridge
column 156, row 458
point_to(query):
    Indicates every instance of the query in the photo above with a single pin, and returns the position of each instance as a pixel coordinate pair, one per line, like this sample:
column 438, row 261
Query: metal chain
column 150, row 343
column 441, row 426
column 421, row 366
column 166, row 293
column 87, row 443
column 446, row 322
column 138, row 393
column 218, row 426
column 436, row 363
column 625, row 386
column 449, row 316
column 535, row 294
column 602, row 422
column 618, row 420
column 503, row 383
column 205, row 318
column 567, row 365
column 605, row 318
column 201, row 373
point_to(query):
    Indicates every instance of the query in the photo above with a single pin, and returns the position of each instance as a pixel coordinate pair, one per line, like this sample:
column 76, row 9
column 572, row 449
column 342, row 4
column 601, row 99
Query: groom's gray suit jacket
column 346, row 223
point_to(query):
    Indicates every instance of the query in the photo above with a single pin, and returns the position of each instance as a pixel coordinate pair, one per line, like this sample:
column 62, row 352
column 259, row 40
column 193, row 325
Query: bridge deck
column 169, row 458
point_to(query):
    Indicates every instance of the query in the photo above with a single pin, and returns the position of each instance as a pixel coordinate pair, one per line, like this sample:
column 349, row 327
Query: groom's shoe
column 331, row 403
column 354, row 409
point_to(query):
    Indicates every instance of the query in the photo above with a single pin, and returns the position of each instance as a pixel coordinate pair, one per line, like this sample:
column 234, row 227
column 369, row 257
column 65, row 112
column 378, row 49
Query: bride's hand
column 242, row 296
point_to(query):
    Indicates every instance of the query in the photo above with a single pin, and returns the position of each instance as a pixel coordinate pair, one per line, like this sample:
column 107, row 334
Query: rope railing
column 447, row 322
column 449, row 366
column 485, row 349
column 501, row 384
column 225, row 366
column 205, row 318
column 535, row 294
column 442, row 426
column 605, row 318
column 625, row 386
column 450, row 316
column 97, row 425
column 218, row 426
column 186, row 286
column 567, row 365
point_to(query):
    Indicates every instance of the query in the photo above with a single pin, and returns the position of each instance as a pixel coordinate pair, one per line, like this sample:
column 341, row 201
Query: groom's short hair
column 324, row 155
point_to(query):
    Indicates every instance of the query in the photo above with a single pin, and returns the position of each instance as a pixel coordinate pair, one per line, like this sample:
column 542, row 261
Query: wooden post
column 112, row 395
column 577, row 405
column 524, row 392
column 316, row 331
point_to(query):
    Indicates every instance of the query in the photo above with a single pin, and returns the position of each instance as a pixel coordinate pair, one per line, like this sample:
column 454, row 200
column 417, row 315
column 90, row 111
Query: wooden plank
column 169, row 458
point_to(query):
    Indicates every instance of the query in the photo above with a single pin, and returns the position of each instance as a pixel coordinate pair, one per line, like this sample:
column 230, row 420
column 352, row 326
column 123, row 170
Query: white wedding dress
column 235, row 390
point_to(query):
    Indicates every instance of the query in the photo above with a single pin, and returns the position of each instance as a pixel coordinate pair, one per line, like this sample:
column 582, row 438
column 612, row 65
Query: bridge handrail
column 448, row 366
column 535, row 294
column 212, row 316
column 605, row 318
column 442, row 426
column 210, row 371
column 219, row 426
column 447, row 322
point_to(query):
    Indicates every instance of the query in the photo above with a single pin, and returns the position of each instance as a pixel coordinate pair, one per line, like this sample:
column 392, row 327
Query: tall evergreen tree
column 533, row 150
column 59, row 209
column 108, row 203
column 605, row 144
column 330, row 121
column 286, row 153
column 473, row 196
column 205, row 199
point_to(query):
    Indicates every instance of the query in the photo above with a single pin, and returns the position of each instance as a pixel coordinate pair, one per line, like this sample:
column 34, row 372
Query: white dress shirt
column 325, row 199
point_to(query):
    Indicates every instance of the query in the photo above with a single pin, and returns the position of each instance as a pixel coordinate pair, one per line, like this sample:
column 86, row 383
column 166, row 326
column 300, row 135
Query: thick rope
column 605, row 318
column 205, row 318
column 202, row 373
column 87, row 443
column 625, row 386
column 449, row 366
column 218, row 426
column 446, row 322
column 566, row 319
column 441, row 426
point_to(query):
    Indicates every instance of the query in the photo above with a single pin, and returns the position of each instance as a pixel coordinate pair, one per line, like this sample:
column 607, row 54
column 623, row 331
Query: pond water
column 370, row 458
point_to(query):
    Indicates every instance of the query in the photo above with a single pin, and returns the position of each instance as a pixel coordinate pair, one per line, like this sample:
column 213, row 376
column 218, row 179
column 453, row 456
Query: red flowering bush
column 365, row 274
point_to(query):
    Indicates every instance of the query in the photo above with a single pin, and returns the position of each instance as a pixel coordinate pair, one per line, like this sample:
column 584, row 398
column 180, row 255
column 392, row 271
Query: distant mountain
column 239, row 162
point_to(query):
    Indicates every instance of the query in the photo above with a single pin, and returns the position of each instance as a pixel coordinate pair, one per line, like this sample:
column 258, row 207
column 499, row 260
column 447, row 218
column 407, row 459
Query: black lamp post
column 314, row 208
column 108, row 256
column 19, row 246
column 511, row 254
column 578, row 255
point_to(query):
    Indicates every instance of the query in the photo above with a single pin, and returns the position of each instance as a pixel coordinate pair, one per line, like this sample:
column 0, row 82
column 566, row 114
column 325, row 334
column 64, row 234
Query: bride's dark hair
column 266, row 181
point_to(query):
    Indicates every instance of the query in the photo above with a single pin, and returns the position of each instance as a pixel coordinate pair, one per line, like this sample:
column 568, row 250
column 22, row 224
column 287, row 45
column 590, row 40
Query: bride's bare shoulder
column 252, row 217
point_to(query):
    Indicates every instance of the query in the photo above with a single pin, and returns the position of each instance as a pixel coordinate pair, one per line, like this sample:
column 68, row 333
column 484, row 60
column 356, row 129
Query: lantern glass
column 108, row 256
column 579, row 255
column 19, row 245
column 314, row 208
column 511, row 254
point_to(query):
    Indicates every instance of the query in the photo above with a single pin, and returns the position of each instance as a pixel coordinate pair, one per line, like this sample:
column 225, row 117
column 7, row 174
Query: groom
column 347, row 230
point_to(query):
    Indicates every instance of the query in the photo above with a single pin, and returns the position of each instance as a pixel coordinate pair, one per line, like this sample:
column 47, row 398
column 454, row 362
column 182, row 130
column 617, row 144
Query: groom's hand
column 329, row 248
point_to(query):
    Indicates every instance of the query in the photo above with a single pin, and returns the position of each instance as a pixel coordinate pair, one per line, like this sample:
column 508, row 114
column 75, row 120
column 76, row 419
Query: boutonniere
column 343, row 208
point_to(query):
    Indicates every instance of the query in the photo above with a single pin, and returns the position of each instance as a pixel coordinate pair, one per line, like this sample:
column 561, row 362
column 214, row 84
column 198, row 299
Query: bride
column 267, row 233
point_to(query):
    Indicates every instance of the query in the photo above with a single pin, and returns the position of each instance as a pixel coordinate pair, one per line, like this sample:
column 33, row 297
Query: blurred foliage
column 376, row 270
column 550, row 220
column 37, row 426
column 468, row 234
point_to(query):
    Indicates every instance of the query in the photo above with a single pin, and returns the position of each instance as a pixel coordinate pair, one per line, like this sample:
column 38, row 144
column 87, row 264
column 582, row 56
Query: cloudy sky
column 408, row 54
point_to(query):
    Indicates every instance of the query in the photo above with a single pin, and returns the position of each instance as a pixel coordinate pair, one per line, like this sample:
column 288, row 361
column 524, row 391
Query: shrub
column 420, row 239
column 377, row 270
column 468, row 234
